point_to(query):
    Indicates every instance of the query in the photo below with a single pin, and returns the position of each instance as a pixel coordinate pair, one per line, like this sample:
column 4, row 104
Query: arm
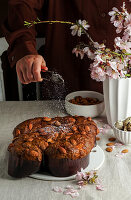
column 22, row 42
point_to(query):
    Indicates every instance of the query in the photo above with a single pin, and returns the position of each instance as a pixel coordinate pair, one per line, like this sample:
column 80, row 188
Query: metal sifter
column 51, row 76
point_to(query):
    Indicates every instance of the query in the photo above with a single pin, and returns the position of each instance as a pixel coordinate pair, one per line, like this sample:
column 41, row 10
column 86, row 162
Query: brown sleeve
column 20, row 38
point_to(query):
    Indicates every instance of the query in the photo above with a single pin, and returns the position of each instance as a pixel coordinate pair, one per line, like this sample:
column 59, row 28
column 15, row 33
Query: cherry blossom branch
column 29, row 24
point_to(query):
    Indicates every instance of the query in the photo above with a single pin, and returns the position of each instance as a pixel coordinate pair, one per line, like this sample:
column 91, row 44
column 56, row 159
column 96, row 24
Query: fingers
column 29, row 67
column 20, row 74
column 37, row 69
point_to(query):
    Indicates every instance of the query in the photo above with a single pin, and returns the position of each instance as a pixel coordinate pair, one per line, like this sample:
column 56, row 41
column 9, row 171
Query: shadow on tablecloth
column 4, row 162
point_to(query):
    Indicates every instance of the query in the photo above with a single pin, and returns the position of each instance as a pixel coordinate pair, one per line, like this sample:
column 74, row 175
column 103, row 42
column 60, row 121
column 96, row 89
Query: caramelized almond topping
column 71, row 119
column 74, row 128
column 87, row 128
column 57, row 123
column 50, row 140
column 89, row 119
column 97, row 131
column 47, row 119
column 69, row 134
column 83, row 133
column 34, row 153
column 10, row 146
column 73, row 142
column 30, row 126
column 62, row 150
column 17, row 132
column 30, row 139
column 67, row 137
column 56, row 135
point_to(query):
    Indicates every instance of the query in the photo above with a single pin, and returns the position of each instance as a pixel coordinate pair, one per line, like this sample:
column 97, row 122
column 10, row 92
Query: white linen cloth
column 115, row 172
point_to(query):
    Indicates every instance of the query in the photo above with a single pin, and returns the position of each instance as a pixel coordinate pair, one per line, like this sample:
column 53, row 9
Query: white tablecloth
column 115, row 172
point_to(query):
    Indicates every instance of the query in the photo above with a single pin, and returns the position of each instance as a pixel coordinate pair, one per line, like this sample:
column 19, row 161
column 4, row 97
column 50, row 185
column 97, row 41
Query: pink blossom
column 72, row 192
column 113, row 65
column 116, row 20
column 120, row 66
column 90, row 175
column 127, row 20
column 81, row 183
column 119, row 155
column 78, row 52
column 98, row 59
column 113, row 12
column 98, row 46
column 69, row 187
column 109, row 71
column 118, row 144
column 123, row 44
column 79, row 176
column 103, row 130
column 106, row 126
column 89, row 53
column 98, row 74
column 100, row 187
column 57, row 189
column 77, row 29
column 115, row 75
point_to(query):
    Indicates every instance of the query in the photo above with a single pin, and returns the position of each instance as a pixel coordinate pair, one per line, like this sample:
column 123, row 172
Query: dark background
column 10, row 77
column 3, row 12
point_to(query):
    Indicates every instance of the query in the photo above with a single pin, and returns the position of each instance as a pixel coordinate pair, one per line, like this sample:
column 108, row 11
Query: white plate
column 97, row 158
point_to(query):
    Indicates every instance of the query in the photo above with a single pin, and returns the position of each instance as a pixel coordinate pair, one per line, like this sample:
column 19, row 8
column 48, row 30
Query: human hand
column 28, row 68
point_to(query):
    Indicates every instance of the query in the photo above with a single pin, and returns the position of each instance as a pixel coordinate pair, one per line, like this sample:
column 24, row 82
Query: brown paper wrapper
column 19, row 167
column 65, row 167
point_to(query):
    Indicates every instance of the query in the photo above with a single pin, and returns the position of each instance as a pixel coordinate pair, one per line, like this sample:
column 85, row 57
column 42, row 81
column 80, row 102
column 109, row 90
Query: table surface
column 115, row 172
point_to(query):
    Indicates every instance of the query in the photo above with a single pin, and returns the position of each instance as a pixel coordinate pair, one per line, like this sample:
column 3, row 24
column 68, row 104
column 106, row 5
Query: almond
column 83, row 133
column 41, row 130
column 10, row 146
column 97, row 138
column 110, row 144
column 72, row 120
column 62, row 150
column 30, row 126
column 74, row 128
column 47, row 119
column 44, row 133
column 56, row 135
column 34, row 153
column 109, row 149
column 112, row 139
column 43, row 145
column 30, row 139
column 89, row 119
column 73, row 142
column 87, row 128
column 97, row 132
column 17, row 132
column 57, row 123
column 50, row 140
column 67, row 137
column 14, row 139
column 124, row 151
column 69, row 134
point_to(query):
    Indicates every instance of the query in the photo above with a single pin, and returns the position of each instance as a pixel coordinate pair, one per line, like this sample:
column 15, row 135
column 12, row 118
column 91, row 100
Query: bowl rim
column 67, row 100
